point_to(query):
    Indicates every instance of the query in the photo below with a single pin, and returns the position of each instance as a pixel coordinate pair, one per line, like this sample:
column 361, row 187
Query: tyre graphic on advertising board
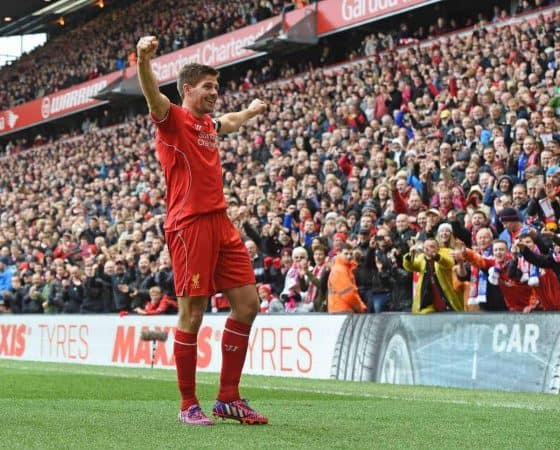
column 479, row 351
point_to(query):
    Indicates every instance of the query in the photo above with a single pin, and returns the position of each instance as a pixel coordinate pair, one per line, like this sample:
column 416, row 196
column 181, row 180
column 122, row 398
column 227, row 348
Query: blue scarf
column 529, row 272
column 479, row 282
column 521, row 164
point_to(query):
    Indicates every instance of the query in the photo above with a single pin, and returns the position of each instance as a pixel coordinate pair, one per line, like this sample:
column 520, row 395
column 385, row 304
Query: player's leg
column 192, row 268
column 235, row 338
column 191, row 312
column 234, row 276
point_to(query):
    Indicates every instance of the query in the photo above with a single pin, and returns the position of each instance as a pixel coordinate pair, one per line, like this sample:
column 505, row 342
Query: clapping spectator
column 33, row 300
column 158, row 304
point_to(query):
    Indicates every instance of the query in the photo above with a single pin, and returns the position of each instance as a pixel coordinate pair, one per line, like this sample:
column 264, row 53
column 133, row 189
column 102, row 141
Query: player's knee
column 191, row 313
column 190, row 320
column 248, row 311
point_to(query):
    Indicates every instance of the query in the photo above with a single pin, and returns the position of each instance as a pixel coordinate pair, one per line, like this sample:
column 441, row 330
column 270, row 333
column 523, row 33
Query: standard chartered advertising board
column 513, row 352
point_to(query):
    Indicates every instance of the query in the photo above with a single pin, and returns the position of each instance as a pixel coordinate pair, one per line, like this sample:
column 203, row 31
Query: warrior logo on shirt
column 195, row 281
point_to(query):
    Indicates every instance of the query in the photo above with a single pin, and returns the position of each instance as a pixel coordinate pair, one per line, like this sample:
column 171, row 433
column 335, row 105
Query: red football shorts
column 208, row 256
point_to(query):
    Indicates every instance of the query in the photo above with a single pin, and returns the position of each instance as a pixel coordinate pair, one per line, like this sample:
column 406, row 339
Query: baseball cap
column 463, row 156
column 509, row 215
column 331, row 215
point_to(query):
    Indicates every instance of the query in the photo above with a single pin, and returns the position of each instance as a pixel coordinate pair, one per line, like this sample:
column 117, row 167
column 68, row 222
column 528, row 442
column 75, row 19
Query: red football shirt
column 187, row 148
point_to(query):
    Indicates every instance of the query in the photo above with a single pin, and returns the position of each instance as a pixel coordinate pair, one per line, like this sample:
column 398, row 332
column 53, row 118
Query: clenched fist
column 257, row 107
column 146, row 47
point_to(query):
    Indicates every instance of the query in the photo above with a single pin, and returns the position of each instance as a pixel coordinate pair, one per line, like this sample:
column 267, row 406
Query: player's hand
column 257, row 107
column 146, row 47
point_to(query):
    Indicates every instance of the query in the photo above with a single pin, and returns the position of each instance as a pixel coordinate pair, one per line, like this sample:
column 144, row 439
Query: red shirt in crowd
column 160, row 307
column 187, row 148
column 517, row 295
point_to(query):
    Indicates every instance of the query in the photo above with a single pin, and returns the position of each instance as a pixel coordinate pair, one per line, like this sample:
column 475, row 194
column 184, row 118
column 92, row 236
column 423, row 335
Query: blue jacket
column 6, row 279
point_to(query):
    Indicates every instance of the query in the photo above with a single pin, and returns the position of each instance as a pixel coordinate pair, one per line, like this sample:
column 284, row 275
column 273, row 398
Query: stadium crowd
column 108, row 42
column 435, row 163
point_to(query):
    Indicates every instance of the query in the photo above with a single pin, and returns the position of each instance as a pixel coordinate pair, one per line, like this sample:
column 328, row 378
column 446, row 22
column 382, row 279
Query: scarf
column 479, row 282
column 529, row 272
column 521, row 163
column 291, row 284
column 312, row 291
column 525, row 162
column 496, row 270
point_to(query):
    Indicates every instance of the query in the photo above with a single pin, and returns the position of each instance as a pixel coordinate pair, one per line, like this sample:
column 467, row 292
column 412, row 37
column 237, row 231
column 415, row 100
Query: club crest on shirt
column 195, row 281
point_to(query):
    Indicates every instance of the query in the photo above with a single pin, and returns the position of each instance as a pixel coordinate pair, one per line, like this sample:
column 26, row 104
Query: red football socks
column 235, row 339
column 185, row 350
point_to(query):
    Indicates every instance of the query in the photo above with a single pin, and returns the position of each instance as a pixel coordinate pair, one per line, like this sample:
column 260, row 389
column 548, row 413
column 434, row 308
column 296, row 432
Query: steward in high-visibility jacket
column 342, row 289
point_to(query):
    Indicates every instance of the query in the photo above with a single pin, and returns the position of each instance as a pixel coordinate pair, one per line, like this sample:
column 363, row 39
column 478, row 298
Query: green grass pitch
column 59, row 406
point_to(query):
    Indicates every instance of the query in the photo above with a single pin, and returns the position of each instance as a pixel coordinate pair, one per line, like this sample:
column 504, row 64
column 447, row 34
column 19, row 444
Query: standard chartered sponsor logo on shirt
column 207, row 139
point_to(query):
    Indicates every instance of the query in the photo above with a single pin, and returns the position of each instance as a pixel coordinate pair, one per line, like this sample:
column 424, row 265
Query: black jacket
column 93, row 296
column 73, row 298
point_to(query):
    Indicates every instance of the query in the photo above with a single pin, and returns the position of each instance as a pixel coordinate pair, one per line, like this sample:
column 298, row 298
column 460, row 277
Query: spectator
column 435, row 291
column 6, row 274
column 93, row 300
column 310, row 173
column 546, row 285
column 33, row 300
column 318, row 279
column 379, row 295
column 294, row 294
column 14, row 296
column 256, row 259
column 343, row 292
column 158, row 304
column 73, row 295
column 502, row 272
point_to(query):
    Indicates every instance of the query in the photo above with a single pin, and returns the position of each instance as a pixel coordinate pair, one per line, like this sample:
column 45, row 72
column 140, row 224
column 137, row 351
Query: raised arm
column 157, row 102
column 230, row 122
column 537, row 260
column 478, row 260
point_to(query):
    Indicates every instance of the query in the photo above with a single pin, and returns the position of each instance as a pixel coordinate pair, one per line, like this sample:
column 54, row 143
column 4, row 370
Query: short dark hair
column 500, row 241
column 192, row 73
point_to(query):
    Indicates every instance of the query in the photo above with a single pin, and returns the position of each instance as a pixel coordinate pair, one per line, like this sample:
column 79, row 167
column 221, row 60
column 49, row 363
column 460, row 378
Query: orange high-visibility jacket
column 343, row 292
